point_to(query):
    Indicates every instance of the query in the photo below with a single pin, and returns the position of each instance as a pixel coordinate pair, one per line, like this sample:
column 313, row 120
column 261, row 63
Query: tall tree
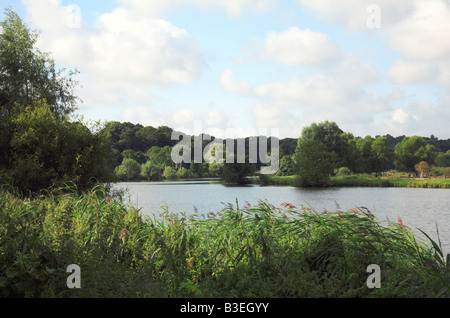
column 28, row 75
column 313, row 163
column 333, row 139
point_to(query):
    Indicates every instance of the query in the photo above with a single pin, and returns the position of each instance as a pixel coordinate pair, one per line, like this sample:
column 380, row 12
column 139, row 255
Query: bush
column 151, row 171
column 46, row 151
column 343, row 171
column 169, row 173
column 128, row 170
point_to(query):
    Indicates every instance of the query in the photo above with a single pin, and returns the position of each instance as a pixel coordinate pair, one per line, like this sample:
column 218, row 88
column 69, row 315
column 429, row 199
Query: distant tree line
column 322, row 150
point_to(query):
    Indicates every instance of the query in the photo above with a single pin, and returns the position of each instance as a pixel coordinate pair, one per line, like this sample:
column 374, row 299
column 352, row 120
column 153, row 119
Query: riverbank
column 238, row 252
column 364, row 181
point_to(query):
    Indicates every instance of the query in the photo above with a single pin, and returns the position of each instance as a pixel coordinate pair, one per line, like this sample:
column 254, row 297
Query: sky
column 254, row 67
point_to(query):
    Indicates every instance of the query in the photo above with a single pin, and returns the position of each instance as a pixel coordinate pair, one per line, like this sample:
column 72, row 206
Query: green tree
column 46, row 151
column 286, row 166
column 160, row 155
column 151, row 171
column 381, row 155
column 169, row 173
column 130, row 169
column 237, row 173
column 443, row 159
column 412, row 150
column 335, row 141
column 28, row 75
column 215, row 169
column 134, row 154
column 313, row 163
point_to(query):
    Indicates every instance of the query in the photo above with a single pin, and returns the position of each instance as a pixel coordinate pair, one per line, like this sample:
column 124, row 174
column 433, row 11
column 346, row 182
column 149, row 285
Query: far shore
column 367, row 181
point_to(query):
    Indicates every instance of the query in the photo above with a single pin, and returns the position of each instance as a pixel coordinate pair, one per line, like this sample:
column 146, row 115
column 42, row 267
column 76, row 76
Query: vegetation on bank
column 240, row 251
column 361, row 180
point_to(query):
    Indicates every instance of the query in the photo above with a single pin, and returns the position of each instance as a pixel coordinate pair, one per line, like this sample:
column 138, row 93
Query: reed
column 240, row 251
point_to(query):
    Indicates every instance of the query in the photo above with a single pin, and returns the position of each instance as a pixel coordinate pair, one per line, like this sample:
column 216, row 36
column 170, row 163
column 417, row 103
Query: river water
column 417, row 207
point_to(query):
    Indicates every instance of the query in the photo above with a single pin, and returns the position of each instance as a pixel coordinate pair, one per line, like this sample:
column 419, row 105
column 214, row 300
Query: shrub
column 169, row 173
column 128, row 170
column 343, row 171
column 151, row 171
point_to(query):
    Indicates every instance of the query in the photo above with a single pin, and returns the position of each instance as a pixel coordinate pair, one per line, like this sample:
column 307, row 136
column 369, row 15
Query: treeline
column 145, row 153
column 324, row 150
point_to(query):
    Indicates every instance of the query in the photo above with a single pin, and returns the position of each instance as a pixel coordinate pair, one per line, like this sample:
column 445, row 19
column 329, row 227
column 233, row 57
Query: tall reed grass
column 240, row 251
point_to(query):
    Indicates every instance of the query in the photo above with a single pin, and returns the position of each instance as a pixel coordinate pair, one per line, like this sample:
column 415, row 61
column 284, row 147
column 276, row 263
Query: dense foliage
column 28, row 75
column 40, row 147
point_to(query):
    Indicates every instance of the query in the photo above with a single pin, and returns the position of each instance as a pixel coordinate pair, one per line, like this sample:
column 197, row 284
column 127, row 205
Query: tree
column 313, row 163
column 443, row 159
column 28, row 75
column 237, row 173
column 130, row 169
column 381, row 156
column 334, row 140
column 160, row 155
column 412, row 150
column 169, row 173
column 215, row 169
column 136, row 155
column 46, row 151
column 373, row 154
column 151, row 171
column 286, row 166
column 423, row 168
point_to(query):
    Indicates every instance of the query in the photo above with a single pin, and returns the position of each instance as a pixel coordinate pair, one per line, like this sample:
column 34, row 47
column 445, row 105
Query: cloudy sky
column 373, row 67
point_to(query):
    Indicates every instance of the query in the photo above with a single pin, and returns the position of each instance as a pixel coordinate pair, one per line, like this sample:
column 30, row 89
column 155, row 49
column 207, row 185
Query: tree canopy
column 28, row 75
column 40, row 146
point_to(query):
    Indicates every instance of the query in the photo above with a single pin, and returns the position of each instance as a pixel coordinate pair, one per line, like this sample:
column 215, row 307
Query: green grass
column 365, row 180
column 240, row 251
column 370, row 181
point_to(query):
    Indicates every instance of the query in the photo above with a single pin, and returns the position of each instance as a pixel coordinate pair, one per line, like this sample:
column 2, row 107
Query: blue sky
column 253, row 64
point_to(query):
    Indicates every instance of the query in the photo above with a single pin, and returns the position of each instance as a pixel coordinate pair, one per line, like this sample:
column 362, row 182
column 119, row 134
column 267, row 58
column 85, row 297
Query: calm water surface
column 418, row 208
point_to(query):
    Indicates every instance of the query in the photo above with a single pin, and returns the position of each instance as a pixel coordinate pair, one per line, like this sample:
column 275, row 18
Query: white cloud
column 420, row 118
column 232, row 86
column 296, row 47
column 144, row 52
column 423, row 34
column 212, row 122
column 405, row 72
column 354, row 14
column 268, row 116
column 400, row 116
column 233, row 8
column 120, row 50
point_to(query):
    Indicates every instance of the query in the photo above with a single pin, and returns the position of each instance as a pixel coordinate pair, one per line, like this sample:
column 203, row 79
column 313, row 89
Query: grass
column 365, row 180
column 240, row 251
